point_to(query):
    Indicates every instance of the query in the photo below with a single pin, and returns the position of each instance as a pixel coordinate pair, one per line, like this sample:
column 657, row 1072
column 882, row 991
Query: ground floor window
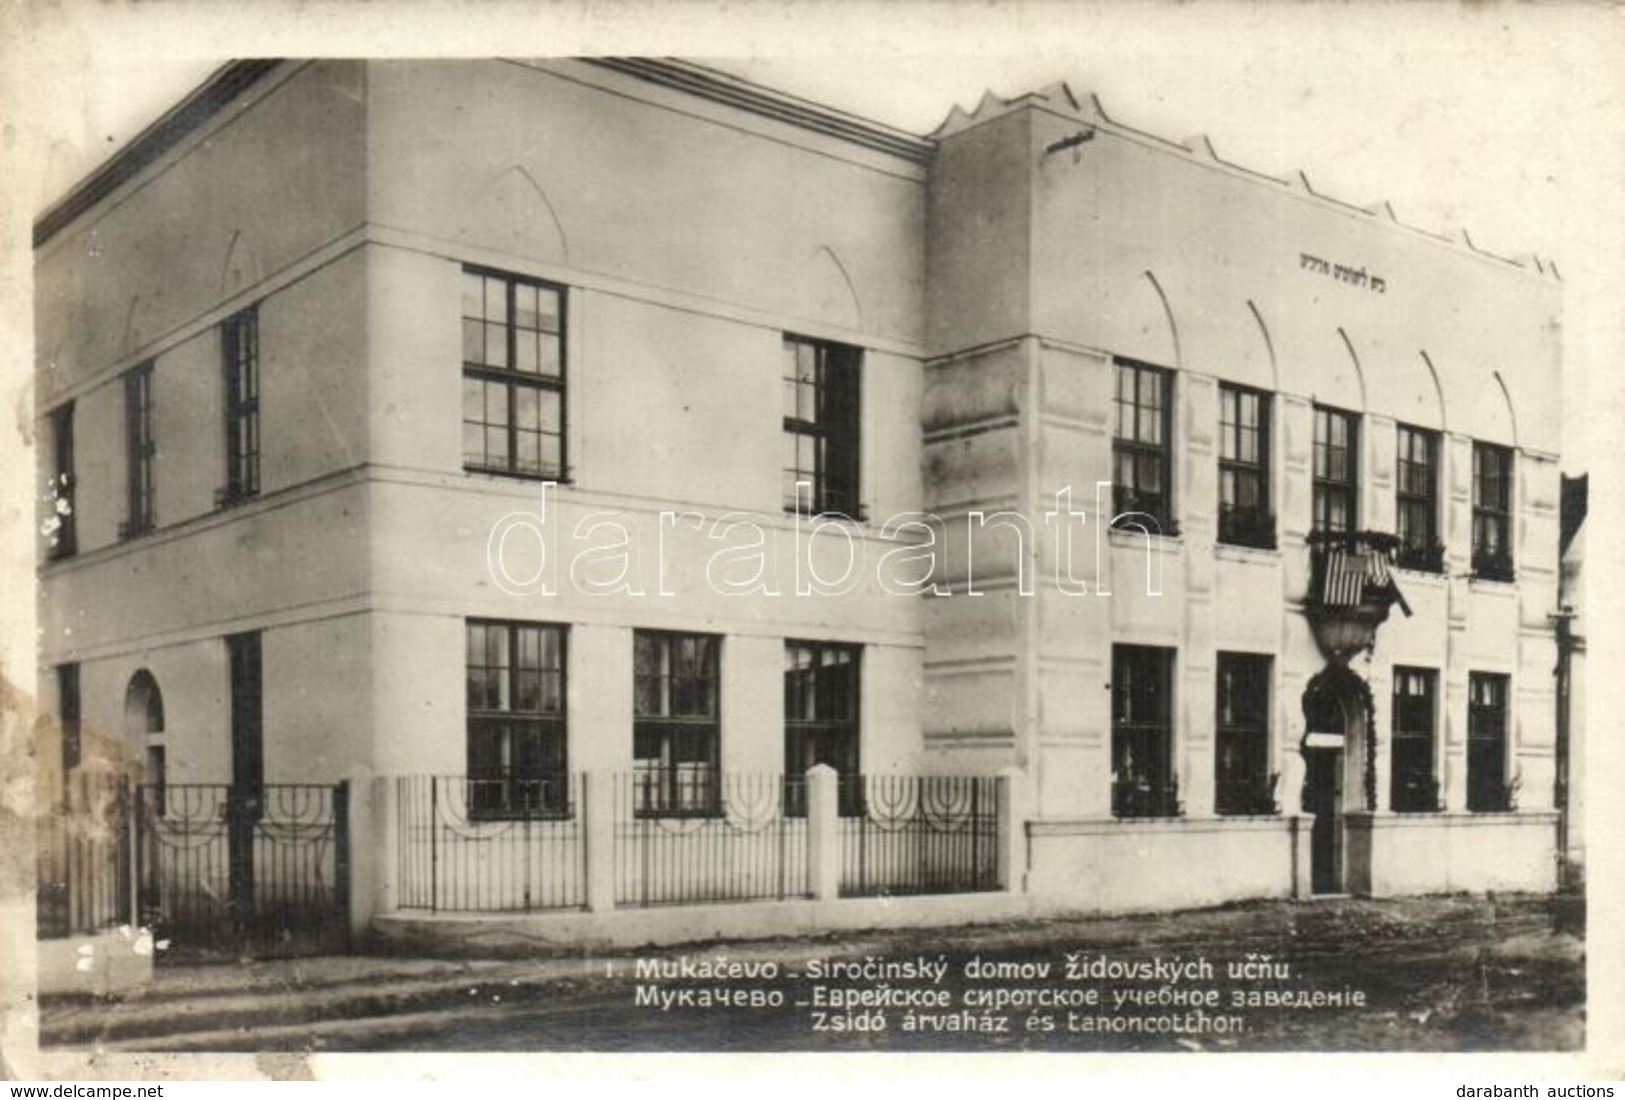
column 1243, row 783
column 517, row 734
column 821, row 719
column 1487, row 790
column 1143, row 783
column 1414, row 788
column 676, row 735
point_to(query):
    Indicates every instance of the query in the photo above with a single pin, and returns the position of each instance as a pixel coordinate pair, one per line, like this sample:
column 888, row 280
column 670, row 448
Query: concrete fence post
column 364, row 840
column 1013, row 813
column 823, row 833
column 598, row 792
column 387, row 839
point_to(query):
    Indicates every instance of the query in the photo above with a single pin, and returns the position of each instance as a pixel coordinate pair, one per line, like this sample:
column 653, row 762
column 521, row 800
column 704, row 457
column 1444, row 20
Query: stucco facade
column 989, row 279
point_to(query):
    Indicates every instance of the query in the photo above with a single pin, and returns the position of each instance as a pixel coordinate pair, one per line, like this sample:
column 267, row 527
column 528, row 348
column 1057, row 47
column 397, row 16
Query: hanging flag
column 1345, row 578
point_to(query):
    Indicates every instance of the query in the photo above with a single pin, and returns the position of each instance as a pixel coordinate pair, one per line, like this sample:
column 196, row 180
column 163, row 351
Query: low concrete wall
column 1117, row 865
column 1441, row 853
column 489, row 935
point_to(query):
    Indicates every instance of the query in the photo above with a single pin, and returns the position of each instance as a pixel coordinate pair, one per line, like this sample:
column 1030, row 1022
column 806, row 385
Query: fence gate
column 244, row 870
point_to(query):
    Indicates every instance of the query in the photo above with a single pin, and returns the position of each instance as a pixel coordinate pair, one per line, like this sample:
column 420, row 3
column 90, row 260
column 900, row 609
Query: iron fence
column 744, row 848
column 257, row 869
column 917, row 834
column 82, row 858
column 483, row 845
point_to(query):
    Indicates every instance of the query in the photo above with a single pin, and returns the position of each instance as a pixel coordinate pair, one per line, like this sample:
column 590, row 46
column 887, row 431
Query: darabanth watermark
column 606, row 548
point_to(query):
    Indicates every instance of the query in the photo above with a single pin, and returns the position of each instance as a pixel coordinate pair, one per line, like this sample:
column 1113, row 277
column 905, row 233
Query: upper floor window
column 676, row 736
column 517, row 735
column 240, row 340
column 513, row 375
column 1243, row 784
column 1492, row 512
column 1487, row 789
column 1336, row 470
column 821, row 427
column 1142, row 447
column 1417, row 497
column 1143, row 783
column 821, row 717
column 60, row 527
column 139, row 451
column 1244, row 468
column 1414, row 787
column 68, row 713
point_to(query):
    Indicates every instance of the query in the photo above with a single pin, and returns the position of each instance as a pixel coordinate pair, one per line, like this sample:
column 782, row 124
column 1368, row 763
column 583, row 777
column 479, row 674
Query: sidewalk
column 362, row 1002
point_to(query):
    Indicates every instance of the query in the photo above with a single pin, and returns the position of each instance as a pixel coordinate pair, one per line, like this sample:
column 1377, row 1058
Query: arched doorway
column 144, row 725
column 1337, row 770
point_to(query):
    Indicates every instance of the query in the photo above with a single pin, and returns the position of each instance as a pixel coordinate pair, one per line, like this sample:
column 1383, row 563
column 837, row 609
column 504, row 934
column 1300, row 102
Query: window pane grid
column 1487, row 789
column 241, row 339
column 517, row 733
column 820, row 417
column 1142, row 732
column 1335, row 484
column 140, row 449
column 676, row 737
column 1142, row 453
column 1492, row 511
column 1415, row 788
column 513, row 375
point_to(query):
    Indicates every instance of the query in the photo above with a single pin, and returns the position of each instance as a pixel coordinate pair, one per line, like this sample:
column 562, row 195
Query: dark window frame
column 1242, row 525
column 831, row 422
column 69, row 705
column 240, row 349
column 245, row 659
column 1243, row 783
column 827, row 688
column 1130, row 500
column 1325, row 486
column 1417, row 497
column 1142, row 690
column 1487, row 787
column 515, row 382
column 140, row 454
column 502, row 785
column 677, row 747
column 63, row 485
column 1493, row 558
column 1413, row 741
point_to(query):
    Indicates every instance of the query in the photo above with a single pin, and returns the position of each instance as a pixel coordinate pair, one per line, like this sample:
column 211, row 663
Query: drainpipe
column 1563, row 621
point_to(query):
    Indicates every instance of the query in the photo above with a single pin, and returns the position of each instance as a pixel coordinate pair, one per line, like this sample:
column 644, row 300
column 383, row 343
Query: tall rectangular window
column 517, row 732
column 821, row 717
column 1414, row 788
column 139, row 453
column 1336, row 470
column 241, row 342
column 244, row 653
column 1244, row 468
column 1143, row 783
column 1492, row 512
column 1417, row 498
column 1243, row 784
column 513, row 375
column 1142, row 447
column 821, row 385
column 676, row 735
column 1487, row 743
column 61, row 526
column 67, row 703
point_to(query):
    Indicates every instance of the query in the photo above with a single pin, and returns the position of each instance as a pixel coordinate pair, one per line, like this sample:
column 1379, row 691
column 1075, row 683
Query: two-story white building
column 510, row 419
